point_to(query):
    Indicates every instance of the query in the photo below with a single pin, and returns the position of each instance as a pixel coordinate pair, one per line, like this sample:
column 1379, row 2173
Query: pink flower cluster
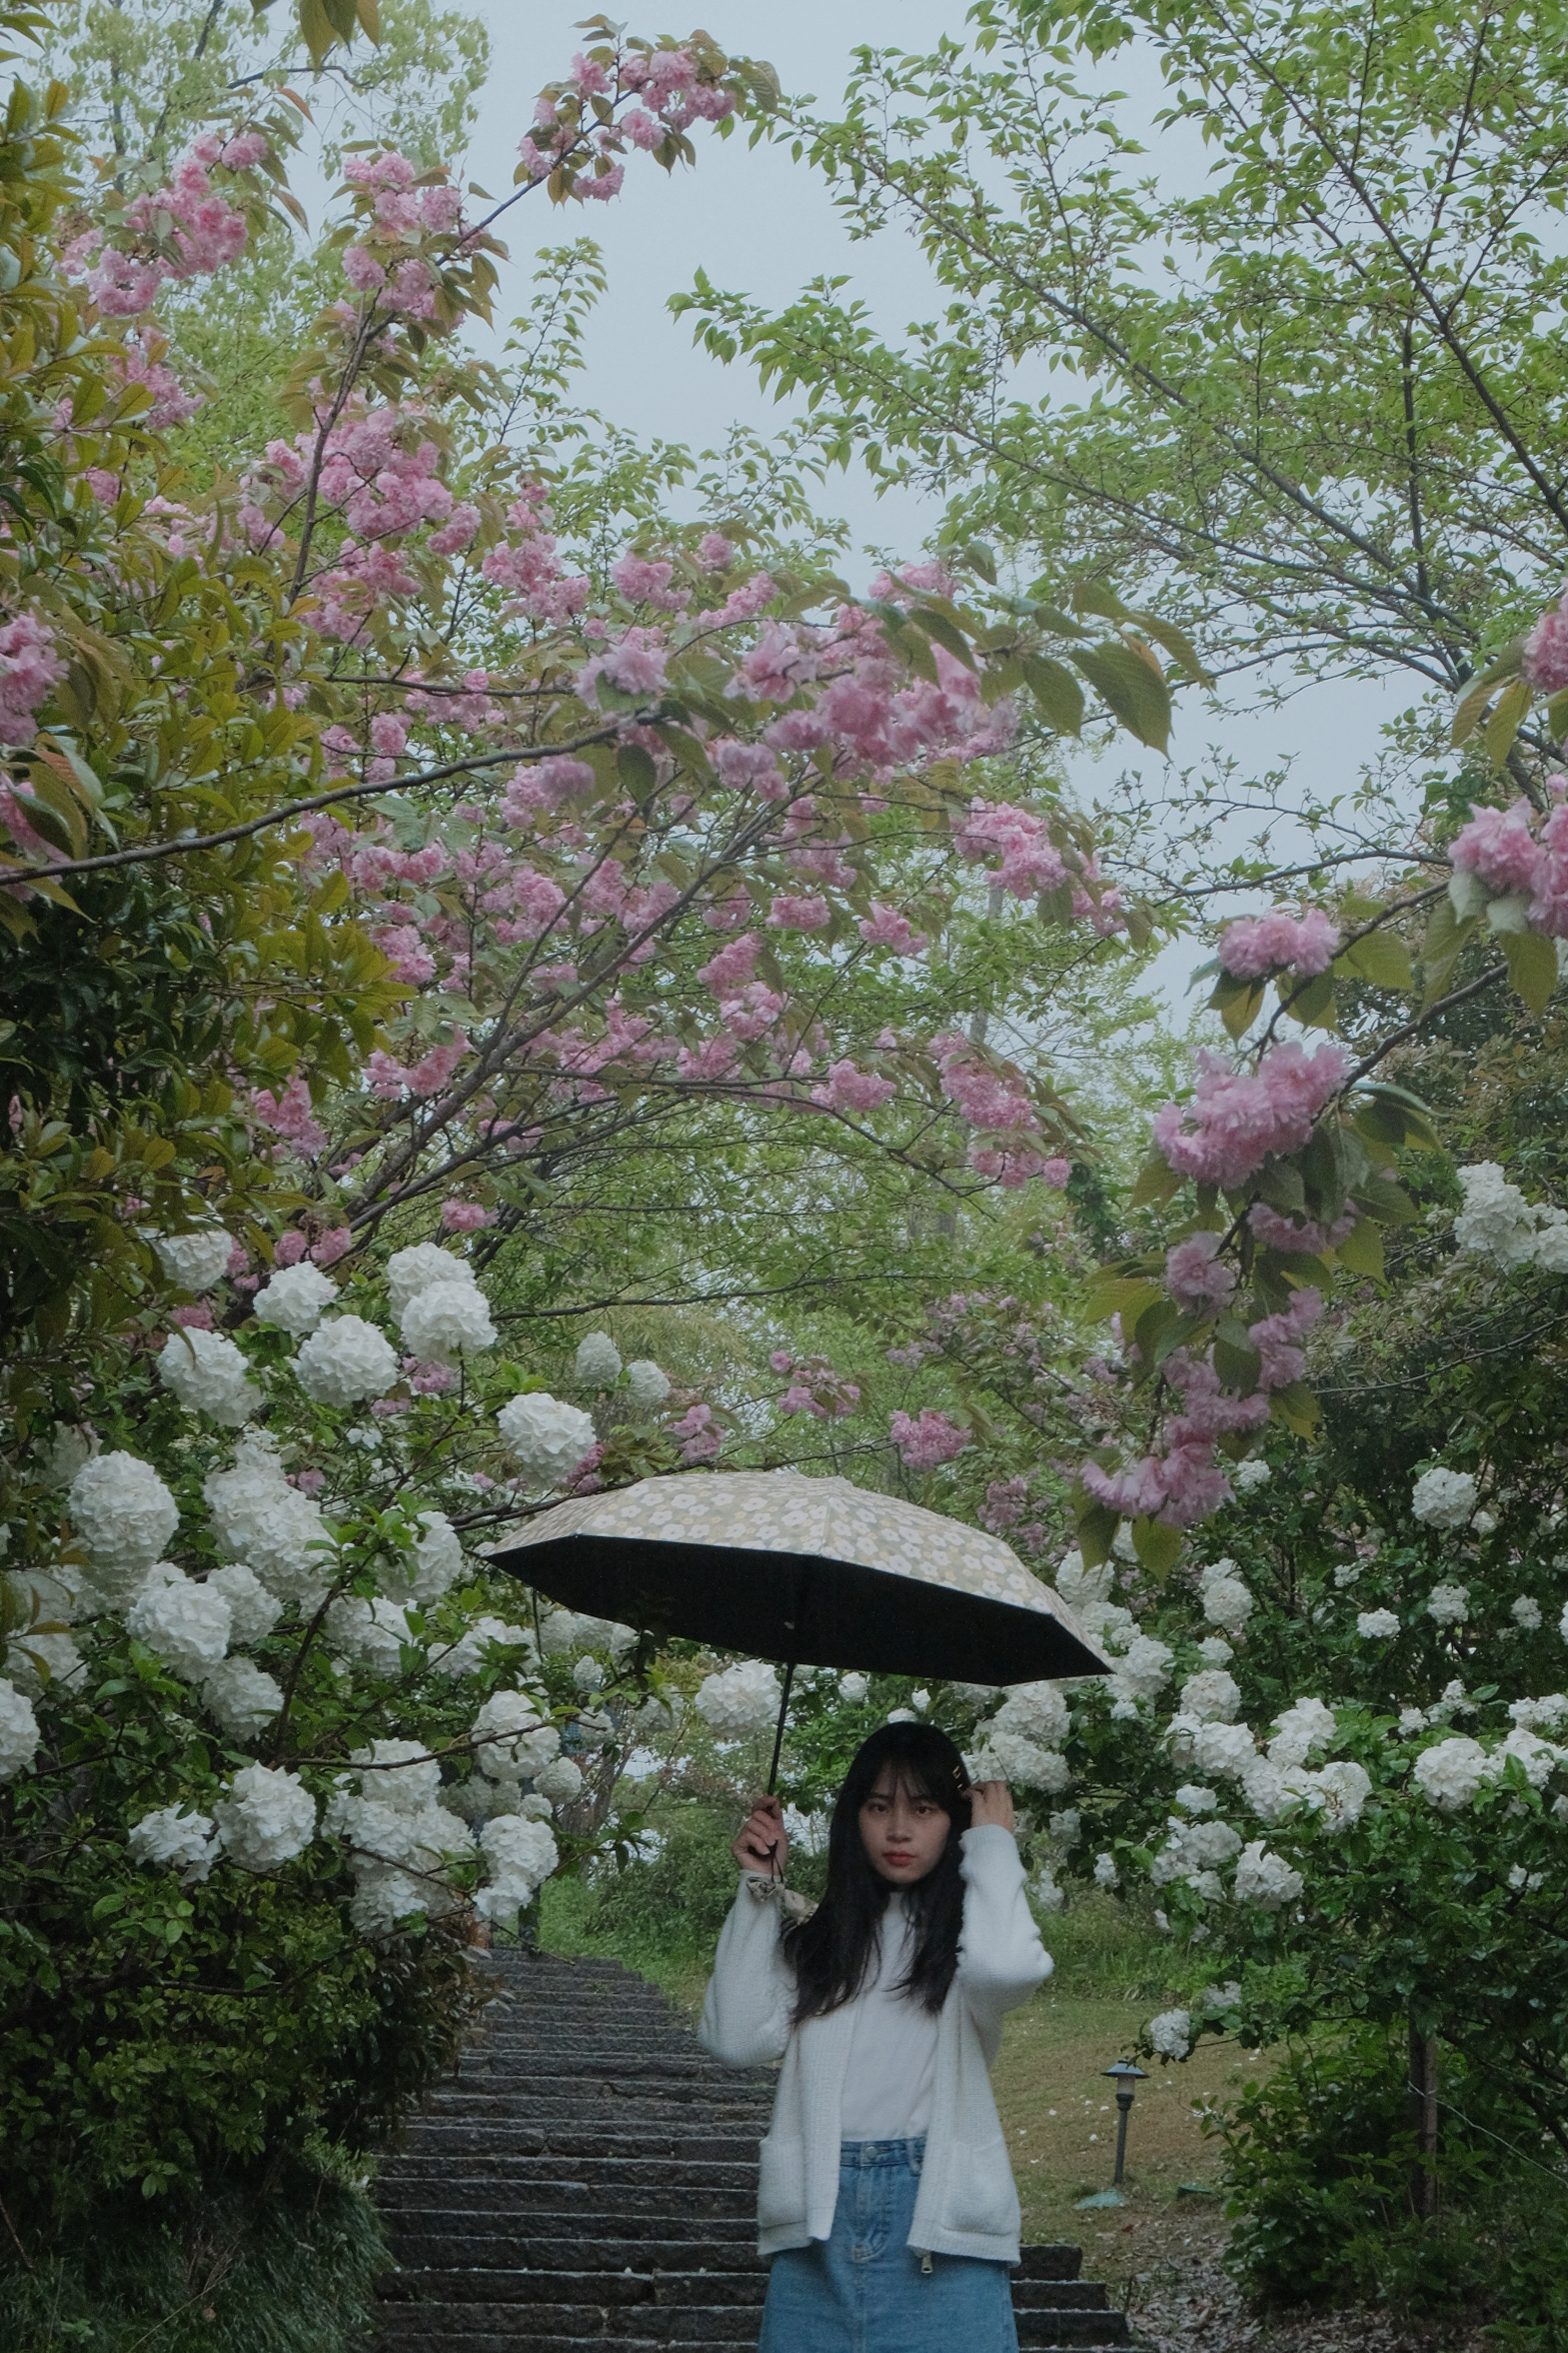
column 998, row 1104
column 1498, row 848
column 190, row 231
column 290, row 1115
column 1543, row 664
column 931, row 1439
column 1195, row 1277
column 671, row 93
column 846, row 1088
column 329, row 1248
column 1305, row 1236
column 1030, row 862
column 1304, row 943
column 700, row 1437
column 1234, row 1122
column 814, row 1388
column 29, row 667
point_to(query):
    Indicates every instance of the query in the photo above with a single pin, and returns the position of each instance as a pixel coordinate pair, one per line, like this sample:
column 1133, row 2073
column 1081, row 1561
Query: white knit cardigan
column 967, row 2203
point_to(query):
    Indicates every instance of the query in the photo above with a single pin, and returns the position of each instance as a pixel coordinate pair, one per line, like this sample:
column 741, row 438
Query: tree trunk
column 1423, row 2122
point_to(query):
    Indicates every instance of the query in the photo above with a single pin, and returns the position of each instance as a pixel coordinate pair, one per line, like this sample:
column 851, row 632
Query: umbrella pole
column 784, row 1710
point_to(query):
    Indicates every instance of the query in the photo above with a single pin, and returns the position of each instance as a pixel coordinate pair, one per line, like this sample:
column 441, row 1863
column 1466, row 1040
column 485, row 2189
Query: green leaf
column 936, row 626
column 1177, row 645
column 1361, row 1251
column 1132, row 688
column 1280, row 1186
column 1312, row 1005
column 1532, row 968
column 1095, row 1529
column 1381, row 959
column 1237, row 1360
column 1441, row 949
column 1157, row 1547
column 1056, row 690
column 1378, row 1197
column 1503, row 726
column 1157, row 1181
column 1238, row 1003
column 1120, row 1295
column 1296, row 1407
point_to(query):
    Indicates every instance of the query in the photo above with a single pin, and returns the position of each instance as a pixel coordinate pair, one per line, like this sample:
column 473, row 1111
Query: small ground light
column 1125, row 2076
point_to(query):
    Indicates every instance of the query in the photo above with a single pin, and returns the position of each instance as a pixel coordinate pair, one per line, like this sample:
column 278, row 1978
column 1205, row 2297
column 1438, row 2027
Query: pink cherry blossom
column 1235, row 1121
column 1195, row 1277
column 29, row 667
column 929, row 1442
column 1498, row 848
column 884, row 926
column 1305, row 944
column 458, row 1217
column 798, row 913
column 289, row 1249
column 333, row 1244
column 1286, row 1233
column 1278, row 1339
column 702, row 1439
column 288, row 1115
column 1543, row 663
column 846, row 1088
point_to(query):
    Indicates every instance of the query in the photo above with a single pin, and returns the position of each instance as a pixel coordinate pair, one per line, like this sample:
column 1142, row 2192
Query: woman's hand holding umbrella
column 989, row 1801
column 762, row 1843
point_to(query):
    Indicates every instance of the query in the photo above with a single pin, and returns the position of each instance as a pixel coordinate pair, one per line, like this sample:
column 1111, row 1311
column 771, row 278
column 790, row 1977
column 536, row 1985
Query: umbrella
column 811, row 1572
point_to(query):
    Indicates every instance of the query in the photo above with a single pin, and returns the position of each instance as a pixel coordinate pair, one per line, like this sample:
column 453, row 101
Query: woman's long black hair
column 832, row 1951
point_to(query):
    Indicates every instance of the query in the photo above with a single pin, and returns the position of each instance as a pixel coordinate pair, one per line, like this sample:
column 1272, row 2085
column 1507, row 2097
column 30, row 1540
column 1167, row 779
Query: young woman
column 886, row 2198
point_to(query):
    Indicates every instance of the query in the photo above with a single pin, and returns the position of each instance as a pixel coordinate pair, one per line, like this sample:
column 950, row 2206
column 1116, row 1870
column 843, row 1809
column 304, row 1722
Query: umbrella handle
column 784, row 1709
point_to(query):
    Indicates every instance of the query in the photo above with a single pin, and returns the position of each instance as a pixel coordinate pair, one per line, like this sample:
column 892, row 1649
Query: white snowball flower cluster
column 446, row 1320
column 295, row 1299
column 1246, row 1477
column 437, row 1563
column 1449, row 1604
column 466, row 1655
column 187, row 1625
column 588, row 1675
column 1194, row 1799
column 189, row 1841
column 598, row 1364
column 1299, row 1728
column 1107, row 1874
column 564, row 1630
column 270, row 1527
column 208, row 1374
column 521, row 1854
column 545, row 1438
column 374, row 1634
column 1193, row 1850
column 742, row 1699
column 647, row 1384
column 1344, row 1789
column 1214, row 1651
column 253, row 1612
column 1037, row 1710
column 69, row 1446
column 34, row 1661
column 1526, row 1612
column 240, row 1697
column 1143, row 1671
column 19, row 1733
column 1550, row 1711
column 513, row 1737
column 1265, row 1879
column 268, row 1817
column 1066, row 1826
column 400, row 1834
column 195, row 1260
column 1171, row 2033
column 560, row 1781
column 1450, row 1773
column 1221, row 1751
column 411, row 1270
column 1499, row 1226
column 1213, row 1696
column 1443, row 1498
column 125, row 1515
column 852, row 1689
column 1375, row 1625
column 1083, row 1588
column 1225, row 1599
column 1007, row 1757
column 1047, row 1894
column 346, row 1361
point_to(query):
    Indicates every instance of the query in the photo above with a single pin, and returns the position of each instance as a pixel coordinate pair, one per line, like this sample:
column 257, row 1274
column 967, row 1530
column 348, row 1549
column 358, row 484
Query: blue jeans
column 864, row 2289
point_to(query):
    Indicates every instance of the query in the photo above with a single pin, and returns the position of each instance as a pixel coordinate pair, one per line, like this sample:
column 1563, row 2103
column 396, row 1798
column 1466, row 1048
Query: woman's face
column 904, row 1833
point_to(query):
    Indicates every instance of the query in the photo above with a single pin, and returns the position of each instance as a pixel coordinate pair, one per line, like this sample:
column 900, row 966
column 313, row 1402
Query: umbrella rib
column 784, row 1709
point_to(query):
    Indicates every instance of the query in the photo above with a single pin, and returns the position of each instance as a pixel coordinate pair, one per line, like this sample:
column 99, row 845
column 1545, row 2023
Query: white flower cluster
column 415, row 1269
column 19, row 1734
column 1225, row 1599
column 1048, row 1893
column 561, row 1782
column 1526, row 1612
column 1196, row 1851
column 1451, row 1772
column 275, row 1530
column 403, row 1839
column 268, row 1817
column 512, row 1736
column 295, row 1299
column 546, row 1438
column 346, row 1361
column 1213, row 1695
column 241, row 1696
column 1170, row 2034
column 564, row 1630
column 1298, row 1729
column 470, row 1652
column 253, row 1612
column 1449, row 1604
column 373, row 1634
column 521, row 1854
column 1107, row 1874
column 439, row 1561
column 1141, row 1672
column 1499, row 1226
column 647, row 1384
column 1036, row 1710
column 187, row 1625
column 1443, row 1498
column 597, row 1365
column 1375, row 1625
column 189, row 1841
column 742, row 1699
column 852, row 1689
column 1246, row 1477
column 209, row 1375
column 1083, row 1588
column 1008, row 1756
column 195, row 1260
column 1265, row 1879
column 448, row 1319
column 125, row 1515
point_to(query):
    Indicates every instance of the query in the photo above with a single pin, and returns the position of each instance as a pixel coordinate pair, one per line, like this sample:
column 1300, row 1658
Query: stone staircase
column 588, row 2178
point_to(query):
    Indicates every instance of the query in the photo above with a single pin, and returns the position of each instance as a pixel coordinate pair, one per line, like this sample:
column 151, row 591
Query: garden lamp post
column 1125, row 2076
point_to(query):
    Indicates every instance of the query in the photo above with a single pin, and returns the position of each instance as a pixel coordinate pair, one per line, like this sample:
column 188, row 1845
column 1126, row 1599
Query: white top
column 966, row 2203
column 890, row 2072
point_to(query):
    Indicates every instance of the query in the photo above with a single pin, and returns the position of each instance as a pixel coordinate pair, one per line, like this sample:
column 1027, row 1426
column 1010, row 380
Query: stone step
column 613, row 2174
column 429, row 2243
column 685, row 2284
column 673, row 2142
column 640, row 2328
column 554, row 2203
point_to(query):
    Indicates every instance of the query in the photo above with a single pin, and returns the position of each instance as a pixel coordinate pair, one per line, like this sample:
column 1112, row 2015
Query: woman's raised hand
column 763, row 1842
column 990, row 1801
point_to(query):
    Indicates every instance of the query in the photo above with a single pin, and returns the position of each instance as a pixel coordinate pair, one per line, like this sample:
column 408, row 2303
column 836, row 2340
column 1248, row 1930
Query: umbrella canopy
column 813, row 1571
